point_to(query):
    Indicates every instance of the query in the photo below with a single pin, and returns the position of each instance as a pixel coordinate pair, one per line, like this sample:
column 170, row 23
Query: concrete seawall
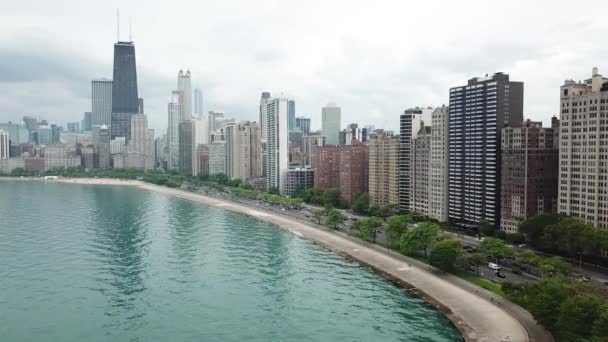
column 476, row 318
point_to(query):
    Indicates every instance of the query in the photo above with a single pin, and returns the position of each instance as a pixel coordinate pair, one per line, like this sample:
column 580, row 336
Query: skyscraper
column 409, row 125
column 529, row 173
column 184, row 84
column 583, row 177
column 125, row 101
column 277, row 144
column 86, row 126
column 186, row 147
column 331, row 123
column 420, row 170
column 303, row 125
column 139, row 130
column 291, row 112
column 438, row 196
column 140, row 106
column 217, row 157
column 478, row 112
column 173, row 131
column 101, row 102
column 4, row 145
column 198, row 101
column 265, row 98
column 103, row 147
column 383, row 168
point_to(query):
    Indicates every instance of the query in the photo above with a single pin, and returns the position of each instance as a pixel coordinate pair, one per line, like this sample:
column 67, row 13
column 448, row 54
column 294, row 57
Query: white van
column 494, row 266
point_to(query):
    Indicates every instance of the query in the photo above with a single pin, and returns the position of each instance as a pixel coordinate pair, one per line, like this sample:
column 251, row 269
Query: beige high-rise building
column 420, row 159
column 438, row 188
column 243, row 150
column 583, row 163
column 383, row 168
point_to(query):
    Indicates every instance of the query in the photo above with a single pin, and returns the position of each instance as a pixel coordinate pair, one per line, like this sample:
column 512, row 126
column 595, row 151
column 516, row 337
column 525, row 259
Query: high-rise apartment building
column 101, row 102
column 438, row 194
column 303, row 125
column 583, row 161
column 186, row 147
column 202, row 159
column 125, row 101
column 217, row 157
column 409, row 124
column 478, row 112
column 184, row 85
column 139, row 133
column 342, row 167
column 264, row 99
column 198, row 101
column 86, row 123
column 309, row 144
column 277, row 144
column 529, row 173
column 383, row 168
column 331, row 123
column 45, row 135
column 103, row 147
column 232, row 162
column 4, row 145
column 173, row 131
column 354, row 177
column 298, row 179
column 291, row 115
column 17, row 133
column 327, row 167
column 420, row 170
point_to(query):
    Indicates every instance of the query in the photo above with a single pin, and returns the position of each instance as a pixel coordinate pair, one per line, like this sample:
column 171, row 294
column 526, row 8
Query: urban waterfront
column 82, row 262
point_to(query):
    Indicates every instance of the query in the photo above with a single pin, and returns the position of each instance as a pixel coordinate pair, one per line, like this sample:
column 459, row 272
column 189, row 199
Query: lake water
column 104, row 263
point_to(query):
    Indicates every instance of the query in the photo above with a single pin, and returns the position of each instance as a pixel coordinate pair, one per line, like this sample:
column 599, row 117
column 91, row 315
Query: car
column 606, row 283
column 516, row 270
column 522, row 245
column 500, row 275
column 472, row 268
column 494, row 266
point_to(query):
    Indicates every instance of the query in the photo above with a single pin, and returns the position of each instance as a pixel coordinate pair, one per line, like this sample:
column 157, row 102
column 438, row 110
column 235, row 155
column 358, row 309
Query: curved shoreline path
column 478, row 319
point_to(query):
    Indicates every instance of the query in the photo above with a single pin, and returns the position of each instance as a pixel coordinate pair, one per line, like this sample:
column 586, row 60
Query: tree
column 486, row 228
column 384, row 211
column 554, row 266
column 317, row 213
column 494, row 248
column 445, row 253
column 361, row 204
column 368, row 227
column 543, row 299
column 534, row 226
column 419, row 237
column 273, row 190
column 332, row 197
column 334, row 218
column 577, row 316
column 600, row 324
column 475, row 259
column 527, row 256
column 396, row 226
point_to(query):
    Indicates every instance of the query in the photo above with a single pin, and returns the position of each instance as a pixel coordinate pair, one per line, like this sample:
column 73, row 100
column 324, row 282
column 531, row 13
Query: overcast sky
column 373, row 58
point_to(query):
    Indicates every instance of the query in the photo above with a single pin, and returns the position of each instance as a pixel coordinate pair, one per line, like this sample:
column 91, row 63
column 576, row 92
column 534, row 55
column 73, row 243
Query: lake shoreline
column 476, row 318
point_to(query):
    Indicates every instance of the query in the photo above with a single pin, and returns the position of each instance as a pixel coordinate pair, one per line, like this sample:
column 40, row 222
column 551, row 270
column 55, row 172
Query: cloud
column 374, row 59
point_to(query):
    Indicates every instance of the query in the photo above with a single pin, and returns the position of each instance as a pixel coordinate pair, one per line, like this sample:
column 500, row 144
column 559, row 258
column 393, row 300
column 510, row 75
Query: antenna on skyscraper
column 130, row 32
column 117, row 25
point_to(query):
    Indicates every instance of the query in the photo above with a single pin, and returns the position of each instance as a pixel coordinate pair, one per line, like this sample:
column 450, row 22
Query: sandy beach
column 477, row 318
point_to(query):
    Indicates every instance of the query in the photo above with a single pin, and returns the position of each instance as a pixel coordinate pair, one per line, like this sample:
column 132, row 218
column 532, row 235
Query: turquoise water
column 102, row 263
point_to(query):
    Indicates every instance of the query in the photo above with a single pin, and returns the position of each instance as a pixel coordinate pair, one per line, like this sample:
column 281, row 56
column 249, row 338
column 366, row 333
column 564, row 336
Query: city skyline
column 335, row 66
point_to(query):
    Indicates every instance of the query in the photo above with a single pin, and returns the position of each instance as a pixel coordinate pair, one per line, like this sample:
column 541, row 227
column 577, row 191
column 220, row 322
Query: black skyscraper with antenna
column 125, row 101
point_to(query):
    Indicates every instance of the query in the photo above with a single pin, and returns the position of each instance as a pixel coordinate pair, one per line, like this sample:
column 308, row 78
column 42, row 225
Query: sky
column 373, row 58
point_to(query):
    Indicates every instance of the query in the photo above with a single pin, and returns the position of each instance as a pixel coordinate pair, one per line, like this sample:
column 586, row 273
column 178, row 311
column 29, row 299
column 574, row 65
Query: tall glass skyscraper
column 125, row 102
